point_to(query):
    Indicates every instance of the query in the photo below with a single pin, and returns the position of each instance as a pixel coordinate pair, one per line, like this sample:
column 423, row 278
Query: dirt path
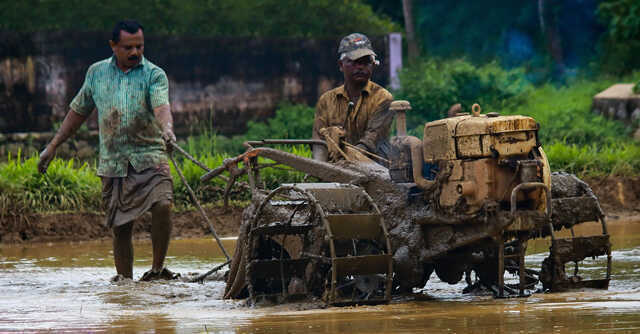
column 619, row 197
column 90, row 226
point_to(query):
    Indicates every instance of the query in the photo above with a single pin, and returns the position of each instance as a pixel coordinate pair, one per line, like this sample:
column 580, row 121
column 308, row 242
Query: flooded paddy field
column 65, row 287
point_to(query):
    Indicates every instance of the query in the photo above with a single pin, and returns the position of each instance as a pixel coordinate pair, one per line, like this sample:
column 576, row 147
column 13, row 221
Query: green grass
column 577, row 140
column 564, row 114
column 593, row 160
column 211, row 149
column 66, row 186
column 72, row 186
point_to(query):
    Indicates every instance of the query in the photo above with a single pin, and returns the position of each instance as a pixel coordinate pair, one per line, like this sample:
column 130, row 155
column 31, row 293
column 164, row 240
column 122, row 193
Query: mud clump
column 568, row 185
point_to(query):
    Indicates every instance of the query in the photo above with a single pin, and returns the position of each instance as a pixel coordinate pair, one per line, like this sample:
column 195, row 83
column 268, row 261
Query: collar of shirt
column 114, row 62
column 366, row 89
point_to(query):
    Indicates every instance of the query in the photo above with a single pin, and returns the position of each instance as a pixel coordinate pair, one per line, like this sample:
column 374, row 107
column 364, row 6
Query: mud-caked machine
column 463, row 203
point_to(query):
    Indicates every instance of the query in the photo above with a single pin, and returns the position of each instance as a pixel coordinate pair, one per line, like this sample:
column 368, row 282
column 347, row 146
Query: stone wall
column 621, row 103
column 220, row 81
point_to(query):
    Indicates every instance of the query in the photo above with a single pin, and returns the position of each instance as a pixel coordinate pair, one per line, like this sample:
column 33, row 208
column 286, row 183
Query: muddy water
column 65, row 287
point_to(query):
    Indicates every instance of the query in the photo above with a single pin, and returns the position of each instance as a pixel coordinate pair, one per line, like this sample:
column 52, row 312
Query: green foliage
column 275, row 176
column 621, row 44
column 390, row 9
column 636, row 88
column 432, row 86
column 205, row 193
column 290, row 18
column 623, row 18
column 208, row 142
column 472, row 29
column 595, row 160
column 68, row 187
column 290, row 122
column 214, row 190
column 564, row 114
column 575, row 139
column 64, row 187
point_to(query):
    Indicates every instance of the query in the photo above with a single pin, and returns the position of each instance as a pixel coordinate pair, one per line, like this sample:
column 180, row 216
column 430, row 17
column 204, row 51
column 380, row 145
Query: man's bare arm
column 164, row 117
column 69, row 126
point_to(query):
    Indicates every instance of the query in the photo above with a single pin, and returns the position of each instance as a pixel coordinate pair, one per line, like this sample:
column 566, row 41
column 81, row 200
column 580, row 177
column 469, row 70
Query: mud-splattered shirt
column 129, row 132
column 367, row 122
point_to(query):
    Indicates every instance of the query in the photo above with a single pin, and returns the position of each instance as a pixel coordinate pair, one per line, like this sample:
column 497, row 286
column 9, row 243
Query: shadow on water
column 65, row 286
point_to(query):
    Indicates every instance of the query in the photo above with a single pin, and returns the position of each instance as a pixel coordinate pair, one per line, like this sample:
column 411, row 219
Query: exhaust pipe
column 414, row 144
column 415, row 148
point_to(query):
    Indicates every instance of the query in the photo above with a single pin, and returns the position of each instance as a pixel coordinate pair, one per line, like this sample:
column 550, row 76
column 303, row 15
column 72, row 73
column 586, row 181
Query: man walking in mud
column 358, row 111
column 131, row 96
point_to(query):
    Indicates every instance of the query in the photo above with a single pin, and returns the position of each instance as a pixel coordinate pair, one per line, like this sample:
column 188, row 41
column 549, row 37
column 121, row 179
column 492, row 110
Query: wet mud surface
column 65, row 287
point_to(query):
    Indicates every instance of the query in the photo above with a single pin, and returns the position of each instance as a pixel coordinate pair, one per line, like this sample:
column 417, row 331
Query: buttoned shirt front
column 129, row 132
column 366, row 122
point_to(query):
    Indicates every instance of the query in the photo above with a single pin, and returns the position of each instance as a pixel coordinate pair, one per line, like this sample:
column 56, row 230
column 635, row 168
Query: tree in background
column 266, row 18
column 290, row 122
column 544, row 36
column 402, row 13
column 510, row 30
column 548, row 15
column 434, row 85
column 621, row 43
column 407, row 10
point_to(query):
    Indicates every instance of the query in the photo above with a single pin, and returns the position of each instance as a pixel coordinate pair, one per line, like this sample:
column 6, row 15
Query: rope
column 197, row 203
column 367, row 152
column 201, row 165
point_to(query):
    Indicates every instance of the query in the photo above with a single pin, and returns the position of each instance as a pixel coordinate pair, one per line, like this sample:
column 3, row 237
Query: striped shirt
column 129, row 131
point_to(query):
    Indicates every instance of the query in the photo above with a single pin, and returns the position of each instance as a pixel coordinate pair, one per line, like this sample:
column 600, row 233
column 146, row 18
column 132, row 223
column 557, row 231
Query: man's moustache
column 133, row 58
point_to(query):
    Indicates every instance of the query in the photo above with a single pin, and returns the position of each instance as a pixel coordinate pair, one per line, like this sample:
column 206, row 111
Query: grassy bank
column 594, row 160
column 72, row 186
column 66, row 186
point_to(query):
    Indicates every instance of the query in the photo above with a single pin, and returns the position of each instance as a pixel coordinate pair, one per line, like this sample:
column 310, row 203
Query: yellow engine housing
column 485, row 158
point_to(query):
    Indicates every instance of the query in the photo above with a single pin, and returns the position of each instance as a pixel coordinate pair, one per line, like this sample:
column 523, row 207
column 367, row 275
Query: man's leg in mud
column 123, row 249
column 160, row 232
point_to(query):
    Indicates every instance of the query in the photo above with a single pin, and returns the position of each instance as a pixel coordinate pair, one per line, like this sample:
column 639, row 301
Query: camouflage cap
column 355, row 46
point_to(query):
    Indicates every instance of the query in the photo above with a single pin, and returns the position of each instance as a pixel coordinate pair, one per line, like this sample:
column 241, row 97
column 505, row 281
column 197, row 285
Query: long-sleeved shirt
column 368, row 122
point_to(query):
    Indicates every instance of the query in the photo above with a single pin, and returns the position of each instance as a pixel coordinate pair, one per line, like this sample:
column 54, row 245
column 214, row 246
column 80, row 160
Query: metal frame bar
column 334, row 276
column 605, row 231
column 313, row 203
column 521, row 255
